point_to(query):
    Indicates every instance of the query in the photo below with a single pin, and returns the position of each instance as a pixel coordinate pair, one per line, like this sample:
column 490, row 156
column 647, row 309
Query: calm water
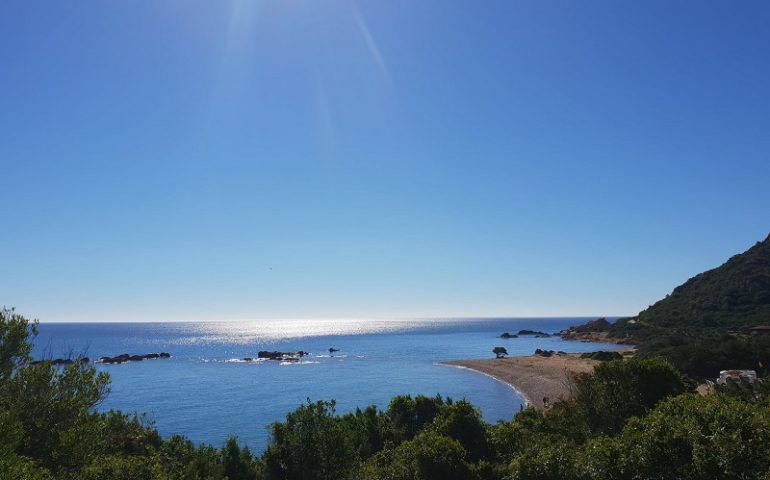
column 204, row 392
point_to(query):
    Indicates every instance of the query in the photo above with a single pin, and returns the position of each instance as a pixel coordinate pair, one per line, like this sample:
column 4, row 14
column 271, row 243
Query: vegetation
column 500, row 352
column 602, row 356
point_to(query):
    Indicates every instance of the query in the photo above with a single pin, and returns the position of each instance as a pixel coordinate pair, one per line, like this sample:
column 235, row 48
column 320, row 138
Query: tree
column 15, row 344
column 44, row 401
column 500, row 352
column 409, row 416
column 312, row 444
column 691, row 436
column 428, row 456
column 238, row 462
column 462, row 422
column 618, row 390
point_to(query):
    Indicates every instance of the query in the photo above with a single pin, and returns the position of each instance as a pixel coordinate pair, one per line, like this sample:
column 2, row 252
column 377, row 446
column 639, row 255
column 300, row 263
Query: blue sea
column 207, row 392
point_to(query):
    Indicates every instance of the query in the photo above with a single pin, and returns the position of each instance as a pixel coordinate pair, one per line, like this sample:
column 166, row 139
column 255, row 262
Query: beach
column 535, row 377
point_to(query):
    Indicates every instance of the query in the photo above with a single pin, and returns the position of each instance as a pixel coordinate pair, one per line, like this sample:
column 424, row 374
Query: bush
column 313, row 444
column 618, row 390
column 713, row 436
column 602, row 356
column 462, row 422
column 429, row 456
column 409, row 416
column 705, row 357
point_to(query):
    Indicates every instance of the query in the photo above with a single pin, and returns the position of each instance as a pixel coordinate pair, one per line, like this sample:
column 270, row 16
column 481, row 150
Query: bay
column 207, row 392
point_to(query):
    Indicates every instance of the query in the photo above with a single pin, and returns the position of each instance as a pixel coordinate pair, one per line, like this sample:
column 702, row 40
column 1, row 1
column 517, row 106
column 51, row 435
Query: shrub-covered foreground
column 632, row 419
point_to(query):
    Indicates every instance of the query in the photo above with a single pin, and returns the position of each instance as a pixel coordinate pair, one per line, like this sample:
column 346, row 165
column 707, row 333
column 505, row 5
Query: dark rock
column 533, row 332
column 269, row 355
column 332, row 350
column 508, row 335
column 124, row 357
column 281, row 355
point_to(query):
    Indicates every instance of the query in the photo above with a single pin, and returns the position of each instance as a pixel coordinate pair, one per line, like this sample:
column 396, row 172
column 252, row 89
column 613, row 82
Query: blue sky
column 177, row 160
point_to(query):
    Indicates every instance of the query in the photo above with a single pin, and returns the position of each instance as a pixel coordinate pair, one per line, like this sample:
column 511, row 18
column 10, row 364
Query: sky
column 216, row 160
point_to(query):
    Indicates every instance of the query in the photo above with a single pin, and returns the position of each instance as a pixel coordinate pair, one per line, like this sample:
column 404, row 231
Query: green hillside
column 734, row 296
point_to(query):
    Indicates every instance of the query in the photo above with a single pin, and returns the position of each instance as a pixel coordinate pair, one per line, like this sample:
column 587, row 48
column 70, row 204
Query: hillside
column 732, row 296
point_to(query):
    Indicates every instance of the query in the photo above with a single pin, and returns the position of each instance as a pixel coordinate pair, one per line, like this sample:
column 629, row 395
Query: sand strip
column 534, row 377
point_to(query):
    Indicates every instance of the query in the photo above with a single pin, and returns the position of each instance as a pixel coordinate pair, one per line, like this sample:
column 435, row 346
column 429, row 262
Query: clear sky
column 175, row 160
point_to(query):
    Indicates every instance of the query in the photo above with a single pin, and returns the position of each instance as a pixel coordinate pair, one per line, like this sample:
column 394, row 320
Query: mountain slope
column 733, row 296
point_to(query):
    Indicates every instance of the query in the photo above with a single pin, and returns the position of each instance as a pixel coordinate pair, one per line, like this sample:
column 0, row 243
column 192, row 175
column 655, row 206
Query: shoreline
column 533, row 377
column 524, row 396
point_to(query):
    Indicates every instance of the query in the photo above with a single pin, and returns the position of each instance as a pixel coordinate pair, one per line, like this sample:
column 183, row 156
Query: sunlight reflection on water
column 246, row 332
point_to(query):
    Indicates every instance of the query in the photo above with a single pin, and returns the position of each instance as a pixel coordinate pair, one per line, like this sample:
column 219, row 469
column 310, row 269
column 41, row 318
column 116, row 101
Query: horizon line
column 375, row 319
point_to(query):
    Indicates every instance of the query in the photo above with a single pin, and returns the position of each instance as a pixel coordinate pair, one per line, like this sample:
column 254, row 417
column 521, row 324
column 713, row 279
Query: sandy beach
column 534, row 377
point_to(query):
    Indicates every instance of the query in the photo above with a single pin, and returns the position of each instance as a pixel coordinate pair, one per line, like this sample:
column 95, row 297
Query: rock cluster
column 281, row 355
column 122, row 358
column 536, row 333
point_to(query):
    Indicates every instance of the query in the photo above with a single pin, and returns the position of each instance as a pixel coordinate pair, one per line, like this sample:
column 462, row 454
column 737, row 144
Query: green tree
column 428, row 456
column 500, row 352
column 693, row 437
column 49, row 401
column 618, row 390
column 120, row 467
column 184, row 461
column 312, row 444
column 554, row 461
column 239, row 463
column 372, row 429
column 16, row 333
column 462, row 422
column 410, row 415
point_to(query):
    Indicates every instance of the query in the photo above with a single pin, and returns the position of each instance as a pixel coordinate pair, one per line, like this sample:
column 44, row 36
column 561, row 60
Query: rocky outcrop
column 594, row 331
column 508, row 335
column 281, row 355
column 598, row 325
column 536, row 333
column 124, row 357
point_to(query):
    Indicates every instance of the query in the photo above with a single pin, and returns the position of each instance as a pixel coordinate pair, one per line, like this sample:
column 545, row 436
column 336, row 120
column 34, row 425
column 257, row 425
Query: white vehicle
column 736, row 376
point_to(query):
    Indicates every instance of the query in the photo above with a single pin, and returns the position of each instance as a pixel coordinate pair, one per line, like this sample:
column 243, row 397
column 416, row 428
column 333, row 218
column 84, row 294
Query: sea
column 207, row 391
